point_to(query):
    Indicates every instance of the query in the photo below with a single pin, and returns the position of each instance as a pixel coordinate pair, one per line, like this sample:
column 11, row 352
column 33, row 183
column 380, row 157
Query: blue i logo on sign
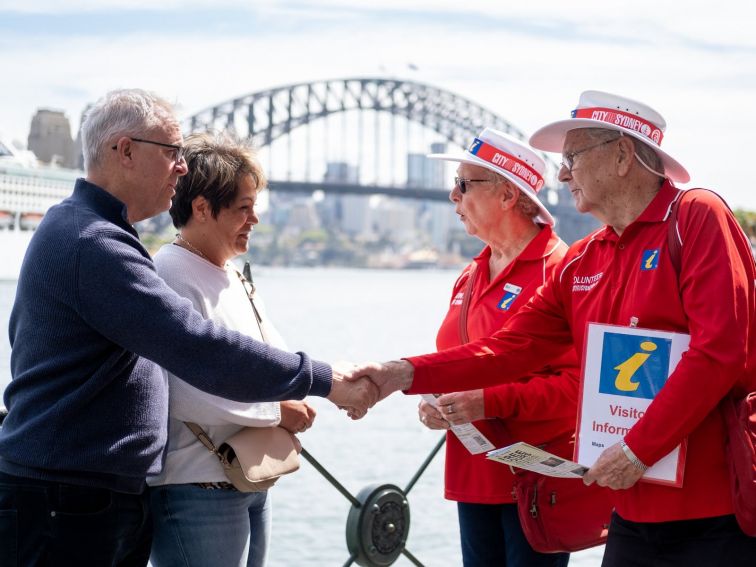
column 633, row 365
column 650, row 259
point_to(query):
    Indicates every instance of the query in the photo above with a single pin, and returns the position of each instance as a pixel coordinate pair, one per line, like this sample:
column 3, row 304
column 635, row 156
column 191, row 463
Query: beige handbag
column 255, row 457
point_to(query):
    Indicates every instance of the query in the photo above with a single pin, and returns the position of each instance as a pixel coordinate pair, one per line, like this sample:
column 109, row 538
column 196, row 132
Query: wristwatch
column 637, row 463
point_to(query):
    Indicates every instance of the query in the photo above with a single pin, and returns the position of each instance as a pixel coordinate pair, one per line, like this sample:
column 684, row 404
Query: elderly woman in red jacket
column 495, row 197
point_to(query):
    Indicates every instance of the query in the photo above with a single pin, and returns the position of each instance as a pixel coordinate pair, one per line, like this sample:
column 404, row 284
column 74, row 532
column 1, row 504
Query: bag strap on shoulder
column 465, row 307
column 673, row 239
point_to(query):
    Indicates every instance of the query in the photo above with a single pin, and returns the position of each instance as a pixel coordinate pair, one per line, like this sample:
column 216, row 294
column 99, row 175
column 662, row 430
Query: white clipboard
column 624, row 369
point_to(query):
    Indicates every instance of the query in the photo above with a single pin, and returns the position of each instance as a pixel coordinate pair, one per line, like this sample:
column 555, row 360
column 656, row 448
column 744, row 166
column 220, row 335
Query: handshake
column 356, row 388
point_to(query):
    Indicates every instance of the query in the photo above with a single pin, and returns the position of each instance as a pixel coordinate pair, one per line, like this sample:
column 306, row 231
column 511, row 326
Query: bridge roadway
column 570, row 224
column 331, row 187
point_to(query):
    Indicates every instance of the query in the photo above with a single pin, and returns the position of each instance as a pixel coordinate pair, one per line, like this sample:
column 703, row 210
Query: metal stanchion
column 379, row 519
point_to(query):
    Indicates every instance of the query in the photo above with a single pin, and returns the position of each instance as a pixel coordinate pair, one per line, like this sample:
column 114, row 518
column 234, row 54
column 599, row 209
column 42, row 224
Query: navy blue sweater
column 91, row 322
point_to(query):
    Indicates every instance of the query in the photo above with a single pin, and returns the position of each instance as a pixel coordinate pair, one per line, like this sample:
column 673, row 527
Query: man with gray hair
column 630, row 273
column 90, row 327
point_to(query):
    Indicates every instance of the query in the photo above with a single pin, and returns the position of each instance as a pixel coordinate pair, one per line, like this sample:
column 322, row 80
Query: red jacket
column 539, row 408
column 601, row 280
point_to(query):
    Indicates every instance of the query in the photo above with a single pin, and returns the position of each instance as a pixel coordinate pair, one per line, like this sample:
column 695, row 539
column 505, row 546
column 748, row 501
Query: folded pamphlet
column 526, row 456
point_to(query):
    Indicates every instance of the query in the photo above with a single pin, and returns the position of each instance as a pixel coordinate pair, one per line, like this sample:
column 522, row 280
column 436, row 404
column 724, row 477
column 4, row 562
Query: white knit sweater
column 218, row 294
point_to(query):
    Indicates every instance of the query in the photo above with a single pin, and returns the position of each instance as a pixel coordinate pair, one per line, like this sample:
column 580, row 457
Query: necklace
column 188, row 245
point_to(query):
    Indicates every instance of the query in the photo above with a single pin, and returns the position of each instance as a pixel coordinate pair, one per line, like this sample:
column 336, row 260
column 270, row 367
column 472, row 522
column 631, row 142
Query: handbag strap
column 249, row 288
column 463, row 336
column 204, row 438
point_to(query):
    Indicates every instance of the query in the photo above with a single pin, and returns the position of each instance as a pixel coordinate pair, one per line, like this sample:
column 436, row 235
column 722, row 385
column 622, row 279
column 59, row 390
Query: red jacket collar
column 544, row 243
column 656, row 211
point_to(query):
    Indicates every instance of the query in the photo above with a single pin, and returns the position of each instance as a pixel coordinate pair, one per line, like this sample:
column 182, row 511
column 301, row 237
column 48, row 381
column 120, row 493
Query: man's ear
column 123, row 148
column 625, row 155
column 509, row 195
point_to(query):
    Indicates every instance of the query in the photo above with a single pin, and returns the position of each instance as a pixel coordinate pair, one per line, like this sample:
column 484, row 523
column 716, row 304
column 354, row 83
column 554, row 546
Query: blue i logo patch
column 511, row 292
column 633, row 365
column 650, row 259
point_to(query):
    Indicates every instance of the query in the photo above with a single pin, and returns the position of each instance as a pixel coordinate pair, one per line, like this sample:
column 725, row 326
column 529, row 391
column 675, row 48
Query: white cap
column 598, row 109
column 510, row 157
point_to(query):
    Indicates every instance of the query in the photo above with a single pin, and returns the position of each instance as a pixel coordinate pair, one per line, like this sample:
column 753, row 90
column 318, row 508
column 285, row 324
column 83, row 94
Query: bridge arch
column 267, row 115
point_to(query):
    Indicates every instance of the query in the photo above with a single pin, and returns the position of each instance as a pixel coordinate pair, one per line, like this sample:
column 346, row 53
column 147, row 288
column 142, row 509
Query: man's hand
column 389, row 376
column 462, row 407
column 430, row 417
column 296, row 416
column 613, row 469
column 355, row 396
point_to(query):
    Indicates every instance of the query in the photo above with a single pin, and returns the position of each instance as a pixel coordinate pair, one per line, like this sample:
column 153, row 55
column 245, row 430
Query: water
column 344, row 314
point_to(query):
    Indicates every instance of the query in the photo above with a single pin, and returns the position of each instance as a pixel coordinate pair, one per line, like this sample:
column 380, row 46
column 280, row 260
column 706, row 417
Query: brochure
column 532, row 458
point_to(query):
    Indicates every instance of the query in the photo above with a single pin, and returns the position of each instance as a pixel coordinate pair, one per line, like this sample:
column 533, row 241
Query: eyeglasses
column 568, row 160
column 178, row 151
column 461, row 182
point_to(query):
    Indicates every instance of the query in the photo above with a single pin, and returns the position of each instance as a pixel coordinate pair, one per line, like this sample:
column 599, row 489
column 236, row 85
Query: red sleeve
column 717, row 289
column 540, row 326
column 552, row 392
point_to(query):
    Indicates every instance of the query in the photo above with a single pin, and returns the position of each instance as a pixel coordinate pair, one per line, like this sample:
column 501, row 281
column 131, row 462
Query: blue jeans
column 45, row 523
column 492, row 537
column 197, row 527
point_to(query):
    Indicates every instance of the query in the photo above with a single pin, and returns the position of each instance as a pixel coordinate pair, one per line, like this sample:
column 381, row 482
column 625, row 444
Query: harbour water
column 345, row 314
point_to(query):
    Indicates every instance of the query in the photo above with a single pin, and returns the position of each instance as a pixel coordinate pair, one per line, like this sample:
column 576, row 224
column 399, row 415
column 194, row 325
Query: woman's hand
column 430, row 416
column 296, row 416
column 462, row 407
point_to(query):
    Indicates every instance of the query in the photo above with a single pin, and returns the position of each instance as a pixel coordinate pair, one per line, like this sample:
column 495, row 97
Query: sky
column 693, row 61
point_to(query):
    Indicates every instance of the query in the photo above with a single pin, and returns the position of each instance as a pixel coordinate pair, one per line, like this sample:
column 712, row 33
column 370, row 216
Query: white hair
column 126, row 112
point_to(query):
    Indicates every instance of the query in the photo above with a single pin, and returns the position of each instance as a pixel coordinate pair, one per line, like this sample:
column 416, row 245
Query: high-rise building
column 50, row 138
column 341, row 172
column 424, row 172
column 351, row 211
column 436, row 219
column 394, row 219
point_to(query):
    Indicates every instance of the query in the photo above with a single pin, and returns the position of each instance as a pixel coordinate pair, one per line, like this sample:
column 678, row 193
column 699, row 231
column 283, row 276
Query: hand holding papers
column 469, row 435
column 431, row 417
column 614, row 470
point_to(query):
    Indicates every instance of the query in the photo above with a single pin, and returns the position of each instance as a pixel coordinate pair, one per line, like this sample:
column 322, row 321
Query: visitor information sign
column 625, row 367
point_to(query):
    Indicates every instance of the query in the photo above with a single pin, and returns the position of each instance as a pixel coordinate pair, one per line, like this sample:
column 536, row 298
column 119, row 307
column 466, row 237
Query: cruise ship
column 27, row 190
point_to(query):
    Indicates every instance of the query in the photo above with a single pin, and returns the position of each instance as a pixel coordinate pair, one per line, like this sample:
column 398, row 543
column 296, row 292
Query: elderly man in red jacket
column 623, row 274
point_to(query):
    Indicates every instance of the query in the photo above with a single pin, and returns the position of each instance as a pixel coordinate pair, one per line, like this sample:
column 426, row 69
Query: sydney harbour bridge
column 368, row 136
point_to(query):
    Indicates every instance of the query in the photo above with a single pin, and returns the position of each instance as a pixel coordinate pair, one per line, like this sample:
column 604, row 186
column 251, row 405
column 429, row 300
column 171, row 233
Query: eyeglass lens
column 178, row 151
column 461, row 182
column 568, row 160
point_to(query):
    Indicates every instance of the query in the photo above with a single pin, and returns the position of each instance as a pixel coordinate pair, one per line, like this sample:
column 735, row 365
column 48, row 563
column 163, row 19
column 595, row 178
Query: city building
column 50, row 138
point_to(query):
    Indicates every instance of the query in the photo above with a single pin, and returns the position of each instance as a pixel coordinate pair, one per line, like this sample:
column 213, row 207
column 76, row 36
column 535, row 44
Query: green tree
column 747, row 220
